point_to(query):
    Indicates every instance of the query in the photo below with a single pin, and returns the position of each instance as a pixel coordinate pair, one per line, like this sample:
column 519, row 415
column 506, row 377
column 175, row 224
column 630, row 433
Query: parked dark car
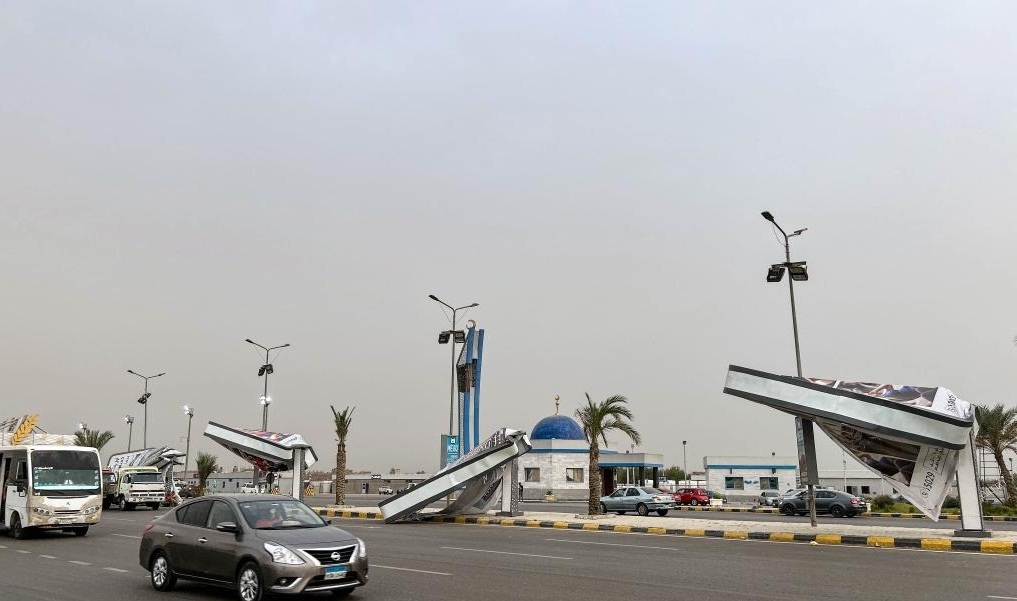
column 255, row 544
column 836, row 503
column 692, row 496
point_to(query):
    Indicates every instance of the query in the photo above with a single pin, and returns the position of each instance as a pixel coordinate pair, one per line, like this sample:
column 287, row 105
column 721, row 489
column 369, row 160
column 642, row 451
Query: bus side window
column 21, row 473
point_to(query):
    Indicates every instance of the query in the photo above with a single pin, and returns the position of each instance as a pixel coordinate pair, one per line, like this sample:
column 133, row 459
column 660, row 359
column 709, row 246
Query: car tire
column 16, row 530
column 249, row 584
column 837, row 511
column 642, row 509
column 788, row 509
column 603, row 508
column 662, row 512
column 153, row 505
column 161, row 573
column 106, row 502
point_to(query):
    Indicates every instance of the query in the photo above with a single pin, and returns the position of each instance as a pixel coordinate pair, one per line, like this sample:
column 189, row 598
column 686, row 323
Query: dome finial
column 556, row 403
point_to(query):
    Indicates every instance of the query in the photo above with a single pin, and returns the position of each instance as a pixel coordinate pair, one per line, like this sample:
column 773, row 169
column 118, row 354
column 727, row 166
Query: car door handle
column 168, row 535
column 203, row 540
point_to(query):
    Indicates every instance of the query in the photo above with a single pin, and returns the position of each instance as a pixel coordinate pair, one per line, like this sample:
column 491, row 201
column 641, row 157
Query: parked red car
column 692, row 496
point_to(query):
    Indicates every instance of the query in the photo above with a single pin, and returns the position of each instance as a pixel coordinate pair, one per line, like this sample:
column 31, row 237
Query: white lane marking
column 23, row 551
column 48, row 556
column 506, row 553
column 374, row 565
column 116, row 570
column 126, row 535
column 79, row 563
column 583, row 542
column 995, row 597
column 3, row 546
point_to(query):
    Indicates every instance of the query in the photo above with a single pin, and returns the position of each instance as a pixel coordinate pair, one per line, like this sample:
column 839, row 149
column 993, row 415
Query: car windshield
column 281, row 514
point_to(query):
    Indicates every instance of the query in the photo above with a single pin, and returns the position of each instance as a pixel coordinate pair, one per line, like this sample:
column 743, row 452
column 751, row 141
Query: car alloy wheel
column 163, row 577
column 694, row 502
column 788, row 509
column 837, row 511
column 249, row 583
column 642, row 509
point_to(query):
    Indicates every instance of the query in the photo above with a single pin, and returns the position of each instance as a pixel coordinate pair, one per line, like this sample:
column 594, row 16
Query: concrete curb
column 890, row 542
column 873, row 514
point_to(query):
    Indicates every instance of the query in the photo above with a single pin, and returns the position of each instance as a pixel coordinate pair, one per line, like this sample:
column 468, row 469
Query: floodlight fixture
column 460, row 336
column 444, row 336
column 775, row 274
column 798, row 273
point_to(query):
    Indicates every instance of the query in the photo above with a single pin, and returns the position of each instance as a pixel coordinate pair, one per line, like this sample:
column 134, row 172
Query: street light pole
column 130, row 429
column 685, row 461
column 144, row 401
column 802, row 426
column 452, row 334
column 265, row 370
column 189, row 412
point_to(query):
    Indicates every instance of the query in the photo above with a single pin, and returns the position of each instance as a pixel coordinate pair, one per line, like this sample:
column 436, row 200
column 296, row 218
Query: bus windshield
column 65, row 472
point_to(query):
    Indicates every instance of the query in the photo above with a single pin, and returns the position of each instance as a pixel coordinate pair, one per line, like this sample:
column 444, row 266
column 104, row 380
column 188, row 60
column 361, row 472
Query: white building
column 560, row 460
column 743, row 478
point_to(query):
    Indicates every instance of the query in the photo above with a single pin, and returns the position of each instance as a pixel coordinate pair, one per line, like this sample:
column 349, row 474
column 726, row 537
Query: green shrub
column 951, row 503
column 882, row 503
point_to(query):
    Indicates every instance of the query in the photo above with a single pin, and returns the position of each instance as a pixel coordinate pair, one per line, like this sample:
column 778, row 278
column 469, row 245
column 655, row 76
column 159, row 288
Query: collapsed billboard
column 910, row 436
column 160, row 457
column 268, row 451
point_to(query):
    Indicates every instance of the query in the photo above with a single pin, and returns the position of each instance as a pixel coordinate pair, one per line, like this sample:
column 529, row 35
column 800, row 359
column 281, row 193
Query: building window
column 532, row 474
column 573, row 474
column 866, row 490
column 768, row 484
column 734, row 483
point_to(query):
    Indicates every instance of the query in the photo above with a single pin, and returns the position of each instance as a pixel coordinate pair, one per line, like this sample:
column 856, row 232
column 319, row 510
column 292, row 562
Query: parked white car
column 249, row 489
column 384, row 490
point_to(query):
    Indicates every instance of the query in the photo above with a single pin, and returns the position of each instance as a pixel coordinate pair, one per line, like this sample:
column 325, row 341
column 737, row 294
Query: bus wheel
column 17, row 531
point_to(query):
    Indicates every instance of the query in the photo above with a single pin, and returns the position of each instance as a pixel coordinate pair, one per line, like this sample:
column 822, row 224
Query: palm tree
column 997, row 432
column 343, row 419
column 597, row 420
column 92, row 438
column 207, row 463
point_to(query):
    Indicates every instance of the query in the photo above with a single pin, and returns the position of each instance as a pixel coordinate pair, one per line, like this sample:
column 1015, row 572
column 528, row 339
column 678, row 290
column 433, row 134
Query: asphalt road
column 359, row 500
column 450, row 562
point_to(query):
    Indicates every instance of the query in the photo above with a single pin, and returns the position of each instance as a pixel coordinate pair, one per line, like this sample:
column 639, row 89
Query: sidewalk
column 828, row 532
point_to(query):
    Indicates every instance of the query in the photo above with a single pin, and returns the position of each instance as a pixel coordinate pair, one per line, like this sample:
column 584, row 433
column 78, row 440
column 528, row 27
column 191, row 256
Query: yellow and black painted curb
column 872, row 514
column 889, row 542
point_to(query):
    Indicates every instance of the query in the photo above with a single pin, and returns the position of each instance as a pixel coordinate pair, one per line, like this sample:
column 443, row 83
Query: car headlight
column 42, row 510
column 362, row 548
column 90, row 510
column 281, row 554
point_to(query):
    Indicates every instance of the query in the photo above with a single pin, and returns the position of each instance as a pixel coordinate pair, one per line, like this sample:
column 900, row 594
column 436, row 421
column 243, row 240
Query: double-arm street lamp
column 456, row 336
column 265, row 370
column 189, row 412
column 130, row 429
column 798, row 273
column 144, row 401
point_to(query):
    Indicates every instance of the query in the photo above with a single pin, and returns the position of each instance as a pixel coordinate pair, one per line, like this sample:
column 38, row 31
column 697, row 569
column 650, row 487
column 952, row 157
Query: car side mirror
column 19, row 485
column 227, row 527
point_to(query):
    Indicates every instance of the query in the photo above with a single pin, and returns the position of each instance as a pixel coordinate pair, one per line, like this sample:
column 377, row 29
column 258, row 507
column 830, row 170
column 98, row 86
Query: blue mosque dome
column 561, row 427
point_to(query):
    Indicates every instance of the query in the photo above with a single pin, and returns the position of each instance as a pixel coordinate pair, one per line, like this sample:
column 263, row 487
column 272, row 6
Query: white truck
column 139, row 485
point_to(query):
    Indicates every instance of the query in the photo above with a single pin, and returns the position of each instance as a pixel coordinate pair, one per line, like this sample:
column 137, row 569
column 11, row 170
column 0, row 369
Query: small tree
column 597, row 420
column 207, row 464
column 92, row 438
column 997, row 432
column 343, row 419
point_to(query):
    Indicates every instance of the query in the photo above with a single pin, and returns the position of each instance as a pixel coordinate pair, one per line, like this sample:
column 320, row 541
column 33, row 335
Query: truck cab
column 139, row 485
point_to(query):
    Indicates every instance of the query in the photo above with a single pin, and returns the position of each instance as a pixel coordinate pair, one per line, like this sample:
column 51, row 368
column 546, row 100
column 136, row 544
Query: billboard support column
column 298, row 473
column 967, row 487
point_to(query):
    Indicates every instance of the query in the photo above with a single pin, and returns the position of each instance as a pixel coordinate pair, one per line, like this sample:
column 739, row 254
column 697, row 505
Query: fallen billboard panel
column 268, row 451
column 910, row 436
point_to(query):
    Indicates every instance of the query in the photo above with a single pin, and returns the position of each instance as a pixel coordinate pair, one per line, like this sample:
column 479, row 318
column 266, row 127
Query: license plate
column 335, row 572
column 65, row 521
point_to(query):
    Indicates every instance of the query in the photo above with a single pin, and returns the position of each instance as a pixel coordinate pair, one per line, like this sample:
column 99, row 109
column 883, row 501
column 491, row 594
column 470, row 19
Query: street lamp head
column 799, row 273
column 249, row 340
column 474, row 305
column 459, row 336
column 157, row 375
column 775, row 274
column 82, row 426
column 129, row 419
column 265, row 400
column 443, row 337
column 188, row 411
column 685, row 442
column 433, row 297
column 767, row 215
column 131, row 371
column 798, row 232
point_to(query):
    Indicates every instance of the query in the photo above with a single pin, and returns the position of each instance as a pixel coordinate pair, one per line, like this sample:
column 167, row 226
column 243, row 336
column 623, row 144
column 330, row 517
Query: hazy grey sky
column 176, row 177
